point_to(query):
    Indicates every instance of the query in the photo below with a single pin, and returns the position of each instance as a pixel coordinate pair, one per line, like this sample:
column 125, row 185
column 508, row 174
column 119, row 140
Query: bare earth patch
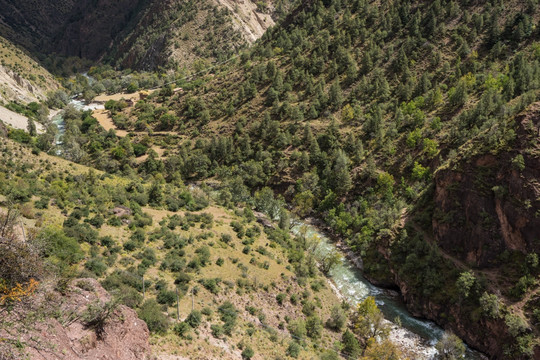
column 17, row 121
column 105, row 120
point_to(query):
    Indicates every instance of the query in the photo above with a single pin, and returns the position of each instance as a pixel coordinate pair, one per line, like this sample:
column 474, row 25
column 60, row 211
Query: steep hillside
column 143, row 34
column 22, row 79
column 209, row 281
column 402, row 125
column 73, row 28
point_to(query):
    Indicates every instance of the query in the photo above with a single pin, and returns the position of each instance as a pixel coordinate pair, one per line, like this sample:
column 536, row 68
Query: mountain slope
column 141, row 34
column 22, row 79
column 357, row 112
column 207, row 279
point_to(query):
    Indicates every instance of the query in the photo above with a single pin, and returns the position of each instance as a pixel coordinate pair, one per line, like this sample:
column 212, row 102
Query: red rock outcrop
column 66, row 335
column 487, row 205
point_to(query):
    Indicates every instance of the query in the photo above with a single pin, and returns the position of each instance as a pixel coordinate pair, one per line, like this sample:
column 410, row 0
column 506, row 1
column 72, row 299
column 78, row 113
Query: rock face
column 487, row 335
column 489, row 205
column 22, row 79
column 67, row 335
column 247, row 18
column 485, row 215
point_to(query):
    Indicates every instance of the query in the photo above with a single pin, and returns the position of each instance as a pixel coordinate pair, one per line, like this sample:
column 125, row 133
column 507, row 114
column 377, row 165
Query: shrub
column 130, row 245
column 226, row 238
column 229, row 315
column 247, row 353
column 129, row 296
column 181, row 329
column 309, row 308
column 314, row 327
column 293, row 350
column 19, row 267
column 150, row 312
column 166, row 297
column 450, row 347
column 59, row 248
column 83, row 233
column 516, row 324
column 42, row 203
column 96, row 265
column 211, row 285
column 280, row 298
column 182, row 279
column 194, row 319
column 97, row 315
column 97, row 221
column 297, row 329
column 294, row 299
column 114, row 221
column 519, row 162
column 217, row 330
column 337, row 319
column 207, row 311
column 351, row 345
column 491, row 305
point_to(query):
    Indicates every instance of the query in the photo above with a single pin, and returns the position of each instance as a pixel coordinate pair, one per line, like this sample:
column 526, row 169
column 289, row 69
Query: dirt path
column 105, row 120
column 116, row 97
column 491, row 274
column 136, row 96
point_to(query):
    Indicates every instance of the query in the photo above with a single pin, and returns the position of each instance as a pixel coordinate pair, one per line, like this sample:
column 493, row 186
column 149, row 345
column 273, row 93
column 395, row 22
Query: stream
column 58, row 119
column 418, row 335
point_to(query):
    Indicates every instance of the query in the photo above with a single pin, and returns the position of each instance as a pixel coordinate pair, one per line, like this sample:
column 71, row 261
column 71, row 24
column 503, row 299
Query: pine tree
column 341, row 177
column 351, row 346
column 402, row 62
column 31, row 127
column 335, row 96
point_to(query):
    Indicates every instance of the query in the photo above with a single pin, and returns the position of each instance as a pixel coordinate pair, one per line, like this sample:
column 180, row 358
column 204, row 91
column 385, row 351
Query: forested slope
column 406, row 125
column 89, row 255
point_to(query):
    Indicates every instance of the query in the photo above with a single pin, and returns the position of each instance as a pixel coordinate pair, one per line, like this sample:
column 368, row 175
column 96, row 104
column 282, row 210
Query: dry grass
column 237, row 265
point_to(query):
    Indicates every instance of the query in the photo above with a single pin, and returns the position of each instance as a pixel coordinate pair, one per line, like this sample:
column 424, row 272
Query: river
column 417, row 335
column 58, row 119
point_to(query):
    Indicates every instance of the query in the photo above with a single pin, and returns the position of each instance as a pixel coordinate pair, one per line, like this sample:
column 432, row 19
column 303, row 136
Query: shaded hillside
column 143, row 34
column 494, row 197
column 481, row 216
column 71, row 28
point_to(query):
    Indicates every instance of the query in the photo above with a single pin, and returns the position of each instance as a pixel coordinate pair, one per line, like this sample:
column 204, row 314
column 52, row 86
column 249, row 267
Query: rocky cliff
column 489, row 204
column 22, row 79
column 484, row 219
column 54, row 325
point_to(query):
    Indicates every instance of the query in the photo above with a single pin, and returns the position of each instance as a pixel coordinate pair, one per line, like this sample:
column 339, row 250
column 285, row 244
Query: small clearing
column 136, row 96
column 105, row 120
